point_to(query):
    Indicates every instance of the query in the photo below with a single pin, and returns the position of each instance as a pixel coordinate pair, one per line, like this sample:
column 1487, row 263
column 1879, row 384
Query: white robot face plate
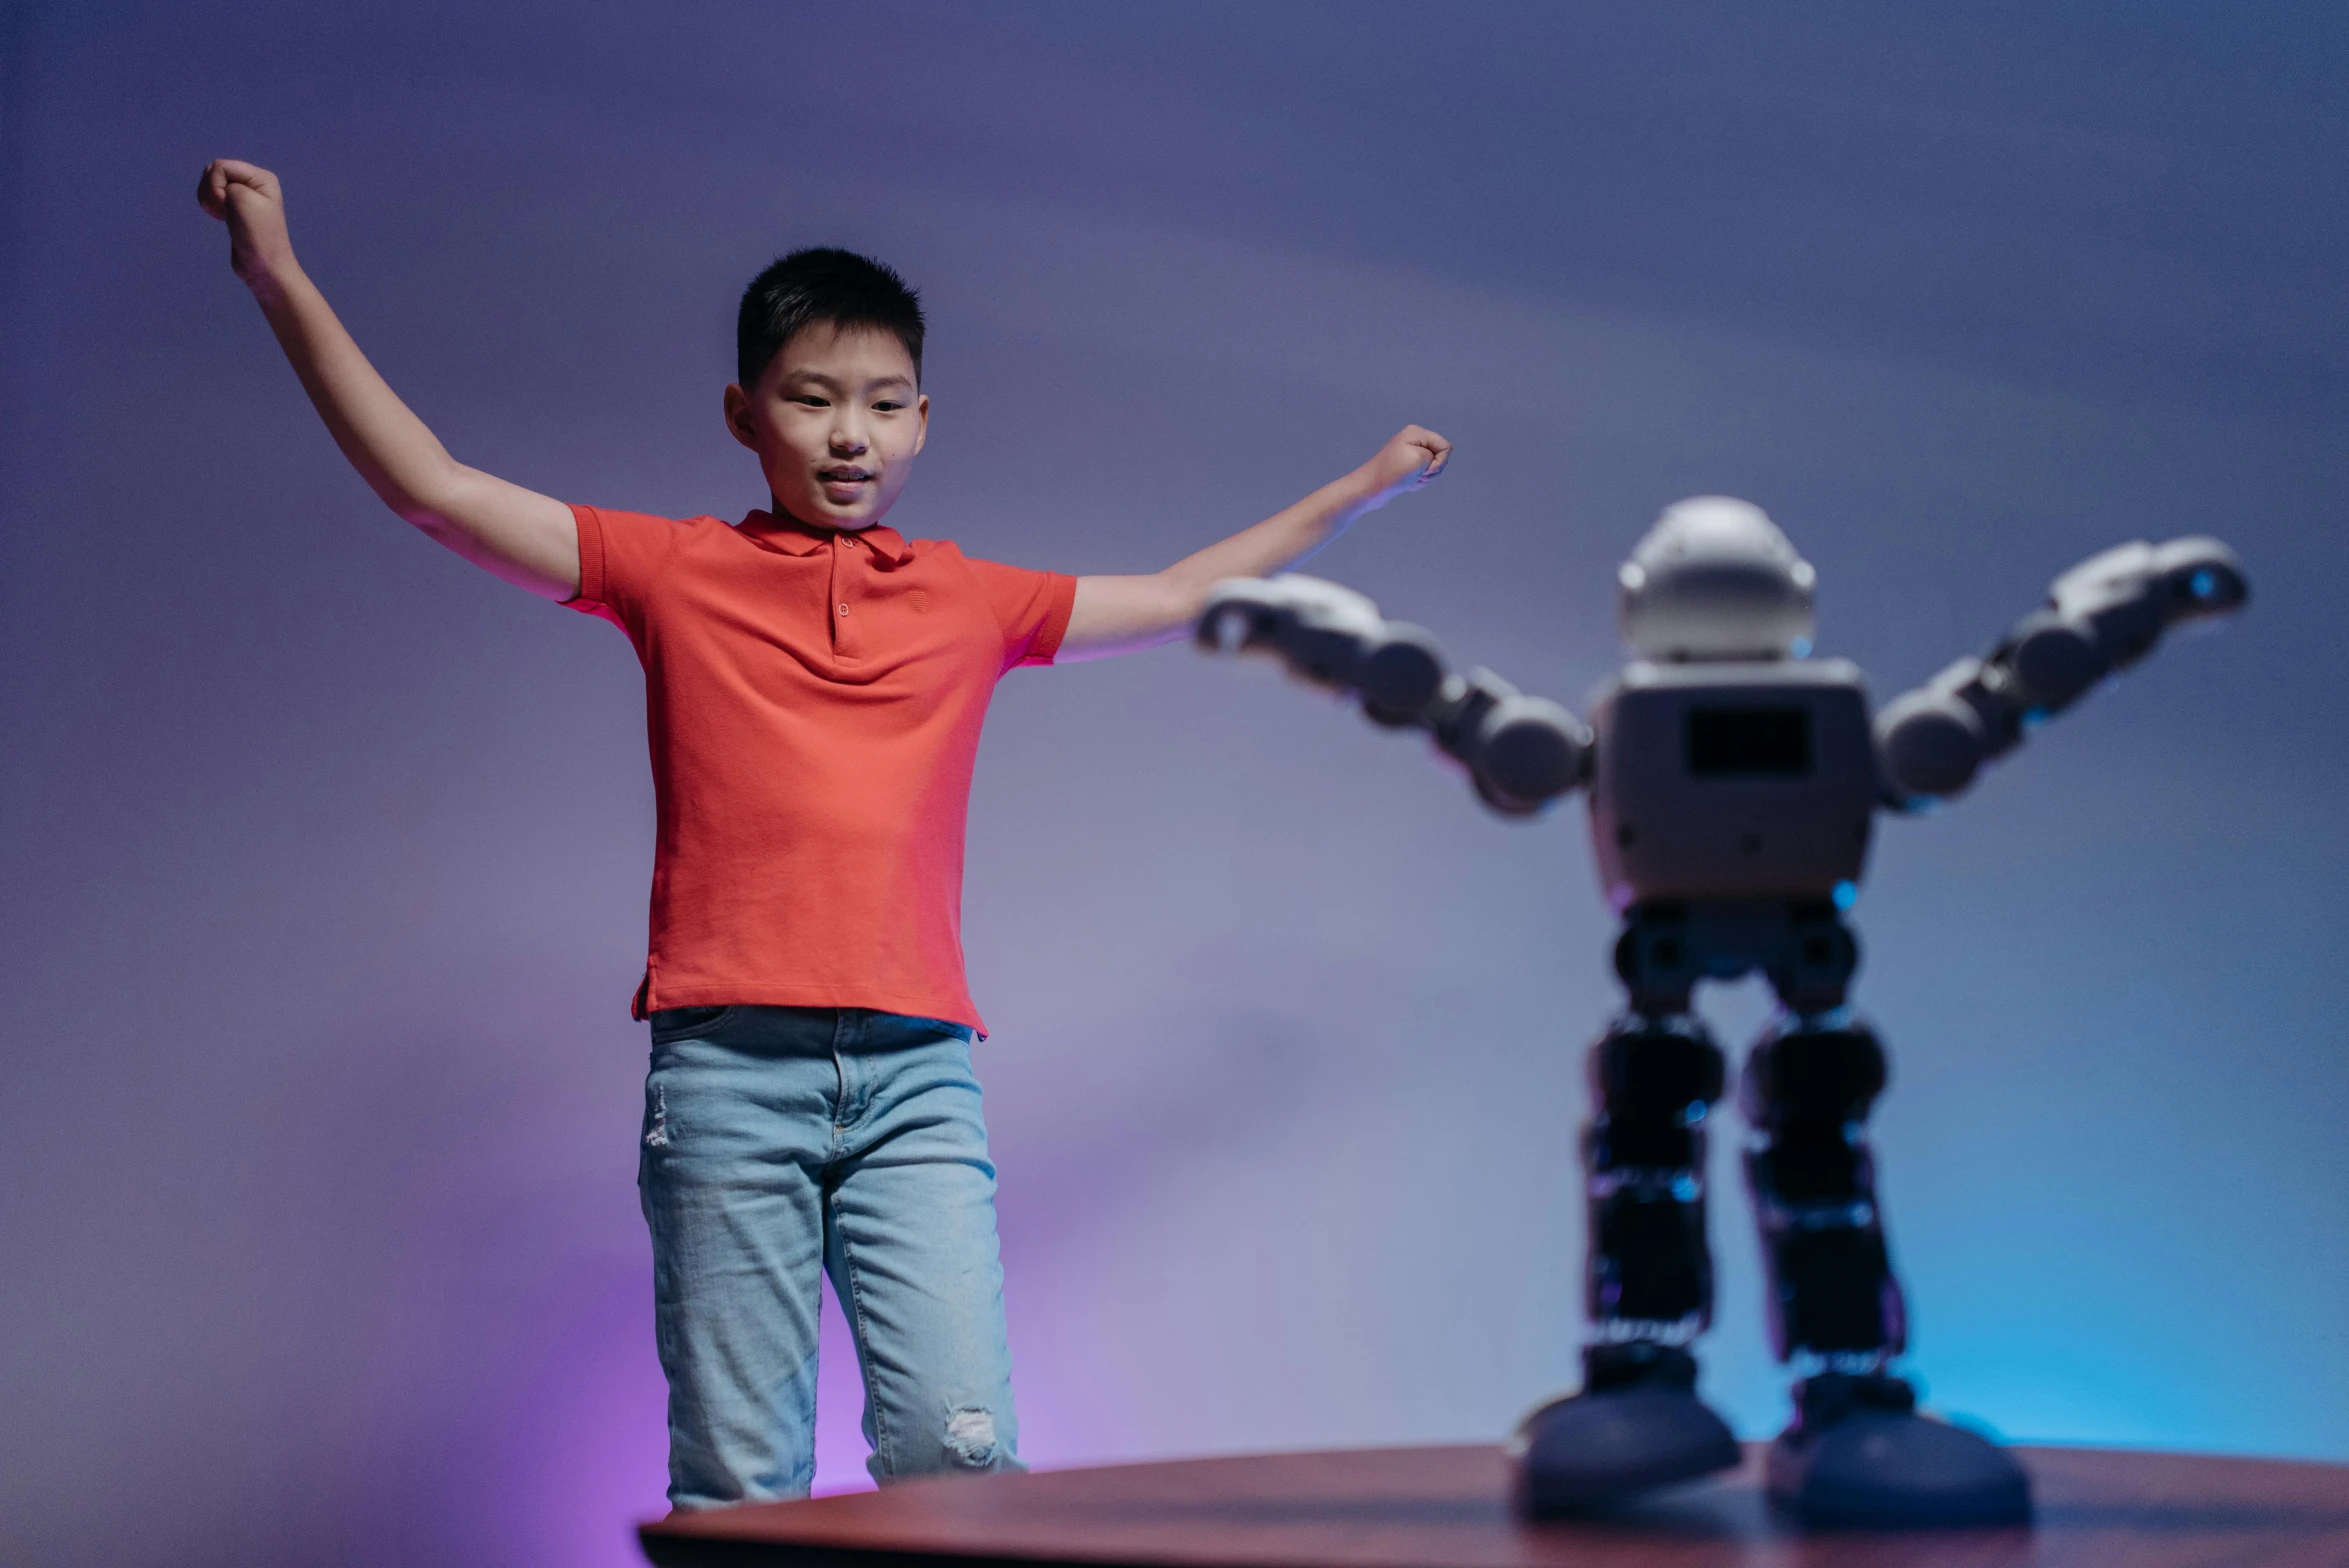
column 1732, row 781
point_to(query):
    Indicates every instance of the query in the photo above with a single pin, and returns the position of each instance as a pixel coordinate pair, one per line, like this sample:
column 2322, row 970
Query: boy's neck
column 826, row 525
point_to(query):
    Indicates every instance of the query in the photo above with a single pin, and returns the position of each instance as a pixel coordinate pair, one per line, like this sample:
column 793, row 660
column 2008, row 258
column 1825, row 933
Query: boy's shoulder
column 640, row 569
column 661, row 545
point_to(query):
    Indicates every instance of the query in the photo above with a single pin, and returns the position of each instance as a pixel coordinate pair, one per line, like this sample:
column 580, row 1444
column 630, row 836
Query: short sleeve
column 621, row 557
column 1031, row 607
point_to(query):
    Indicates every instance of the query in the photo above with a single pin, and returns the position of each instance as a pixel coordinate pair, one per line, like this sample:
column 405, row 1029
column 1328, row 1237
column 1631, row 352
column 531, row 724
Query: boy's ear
column 921, row 421
column 738, row 417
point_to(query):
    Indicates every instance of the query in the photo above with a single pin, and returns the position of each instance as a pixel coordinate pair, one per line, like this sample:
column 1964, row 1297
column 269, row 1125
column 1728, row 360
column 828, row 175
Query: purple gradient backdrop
column 327, row 854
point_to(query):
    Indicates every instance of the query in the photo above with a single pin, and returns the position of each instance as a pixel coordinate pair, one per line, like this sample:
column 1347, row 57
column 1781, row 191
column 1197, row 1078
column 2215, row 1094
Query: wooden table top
column 1446, row 1508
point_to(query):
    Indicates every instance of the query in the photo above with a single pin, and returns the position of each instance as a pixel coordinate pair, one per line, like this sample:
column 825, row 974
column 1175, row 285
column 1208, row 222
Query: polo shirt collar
column 793, row 537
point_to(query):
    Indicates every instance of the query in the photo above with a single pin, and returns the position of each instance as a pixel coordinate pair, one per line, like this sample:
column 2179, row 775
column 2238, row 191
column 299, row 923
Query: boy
column 816, row 685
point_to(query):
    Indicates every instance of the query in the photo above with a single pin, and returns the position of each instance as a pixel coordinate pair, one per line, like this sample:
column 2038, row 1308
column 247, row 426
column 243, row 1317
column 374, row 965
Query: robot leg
column 1806, row 1092
column 1637, row 1422
column 1652, row 1080
column 1858, row 1452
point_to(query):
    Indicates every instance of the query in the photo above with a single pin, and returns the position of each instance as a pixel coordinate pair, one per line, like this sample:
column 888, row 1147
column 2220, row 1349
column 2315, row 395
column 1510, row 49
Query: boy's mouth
column 842, row 483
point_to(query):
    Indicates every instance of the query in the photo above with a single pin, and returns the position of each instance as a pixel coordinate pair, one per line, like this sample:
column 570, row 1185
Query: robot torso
column 1732, row 780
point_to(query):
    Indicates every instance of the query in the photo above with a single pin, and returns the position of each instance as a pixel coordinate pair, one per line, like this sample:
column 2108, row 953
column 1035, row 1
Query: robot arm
column 2100, row 617
column 1521, row 752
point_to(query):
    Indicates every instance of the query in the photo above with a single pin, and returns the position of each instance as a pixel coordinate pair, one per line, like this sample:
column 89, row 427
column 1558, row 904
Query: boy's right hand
column 249, row 200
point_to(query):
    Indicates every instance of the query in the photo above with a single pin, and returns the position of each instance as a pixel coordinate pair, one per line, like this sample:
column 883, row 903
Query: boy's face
column 836, row 419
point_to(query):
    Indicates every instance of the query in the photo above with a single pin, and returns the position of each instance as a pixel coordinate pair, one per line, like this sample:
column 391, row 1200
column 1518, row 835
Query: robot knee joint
column 1656, row 1070
column 1806, row 1074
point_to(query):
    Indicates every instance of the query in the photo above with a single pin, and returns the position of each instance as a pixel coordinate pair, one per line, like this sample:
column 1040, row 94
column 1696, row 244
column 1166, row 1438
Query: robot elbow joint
column 1400, row 675
column 1931, row 744
column 2052, row 661
column 1528, row 752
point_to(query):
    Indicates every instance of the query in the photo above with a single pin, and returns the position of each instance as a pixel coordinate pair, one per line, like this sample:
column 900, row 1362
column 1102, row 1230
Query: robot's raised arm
column 1522, row 752
column 2101, row 616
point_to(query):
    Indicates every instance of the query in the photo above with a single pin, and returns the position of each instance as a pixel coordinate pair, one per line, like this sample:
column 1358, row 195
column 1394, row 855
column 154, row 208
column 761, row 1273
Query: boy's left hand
column 1120, row 614
column 1412, row 456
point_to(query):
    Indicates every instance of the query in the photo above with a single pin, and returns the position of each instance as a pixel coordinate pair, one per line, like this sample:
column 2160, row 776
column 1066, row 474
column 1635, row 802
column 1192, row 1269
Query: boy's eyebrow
column 834, row 383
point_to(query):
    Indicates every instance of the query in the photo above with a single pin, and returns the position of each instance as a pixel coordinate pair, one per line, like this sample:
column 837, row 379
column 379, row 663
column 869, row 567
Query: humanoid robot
column 1732, row 786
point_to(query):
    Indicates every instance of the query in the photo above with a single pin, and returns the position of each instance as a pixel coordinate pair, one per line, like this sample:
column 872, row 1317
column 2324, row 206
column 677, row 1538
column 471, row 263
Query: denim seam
column 855, row 1304
column 864, row 1360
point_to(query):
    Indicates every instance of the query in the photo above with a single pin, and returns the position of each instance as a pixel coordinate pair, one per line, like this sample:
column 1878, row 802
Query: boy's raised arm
column 1123, row 614
column 524, row 537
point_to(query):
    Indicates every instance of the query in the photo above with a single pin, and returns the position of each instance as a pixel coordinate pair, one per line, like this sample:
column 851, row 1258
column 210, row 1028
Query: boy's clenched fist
column 1412, row 456
column 248, row 199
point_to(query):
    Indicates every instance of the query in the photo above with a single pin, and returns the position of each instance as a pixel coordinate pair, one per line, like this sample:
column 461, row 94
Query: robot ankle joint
column 1636, row 1363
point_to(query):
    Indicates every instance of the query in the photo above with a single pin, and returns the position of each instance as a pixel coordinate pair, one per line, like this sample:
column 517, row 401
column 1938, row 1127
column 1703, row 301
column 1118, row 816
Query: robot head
column 1715, row 579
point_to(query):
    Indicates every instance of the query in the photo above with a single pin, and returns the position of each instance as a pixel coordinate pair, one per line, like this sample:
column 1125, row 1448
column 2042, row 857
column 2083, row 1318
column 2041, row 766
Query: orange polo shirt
column 813, row 700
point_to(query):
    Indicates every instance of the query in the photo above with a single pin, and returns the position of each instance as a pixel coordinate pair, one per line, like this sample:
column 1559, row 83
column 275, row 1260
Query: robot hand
column 1331, row 637
column 2100, row 617
column 1521, row 752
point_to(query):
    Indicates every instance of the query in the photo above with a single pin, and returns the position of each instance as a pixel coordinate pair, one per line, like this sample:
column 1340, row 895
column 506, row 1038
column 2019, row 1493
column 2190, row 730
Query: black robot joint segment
column 1733, row 783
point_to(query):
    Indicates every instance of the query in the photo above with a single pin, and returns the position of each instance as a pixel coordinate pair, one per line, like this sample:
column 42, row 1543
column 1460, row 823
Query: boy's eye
column 810, row 400
column 886, row 406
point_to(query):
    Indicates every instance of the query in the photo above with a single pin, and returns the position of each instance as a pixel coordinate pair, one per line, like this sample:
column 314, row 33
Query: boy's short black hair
column 822, row 284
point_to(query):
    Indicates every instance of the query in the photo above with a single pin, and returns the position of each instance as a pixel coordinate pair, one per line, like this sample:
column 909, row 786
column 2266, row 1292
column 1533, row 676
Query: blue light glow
column 1846, row 894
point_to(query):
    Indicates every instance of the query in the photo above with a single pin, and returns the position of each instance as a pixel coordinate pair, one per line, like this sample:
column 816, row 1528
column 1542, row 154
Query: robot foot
column 1859, row 1455
column 1637, row 1424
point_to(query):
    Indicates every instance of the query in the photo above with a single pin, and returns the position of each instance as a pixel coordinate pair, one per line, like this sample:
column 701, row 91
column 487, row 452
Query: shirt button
column 844, row 609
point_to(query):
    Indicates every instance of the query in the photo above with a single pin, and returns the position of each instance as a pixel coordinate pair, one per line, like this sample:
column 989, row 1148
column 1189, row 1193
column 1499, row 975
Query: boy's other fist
column 1412, row 456
column 247, row 198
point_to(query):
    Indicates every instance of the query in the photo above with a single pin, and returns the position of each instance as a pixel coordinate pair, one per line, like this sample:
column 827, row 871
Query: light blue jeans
column 779, row 1141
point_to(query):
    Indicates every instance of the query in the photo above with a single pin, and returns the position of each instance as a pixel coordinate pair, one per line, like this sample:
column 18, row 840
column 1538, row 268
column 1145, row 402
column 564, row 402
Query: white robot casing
column 1732, row 780
column 1723, row 765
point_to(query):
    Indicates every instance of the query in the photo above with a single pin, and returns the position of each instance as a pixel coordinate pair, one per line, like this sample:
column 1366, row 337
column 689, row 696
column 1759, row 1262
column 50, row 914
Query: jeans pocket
column 687, row 1023
column 939, row 1026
